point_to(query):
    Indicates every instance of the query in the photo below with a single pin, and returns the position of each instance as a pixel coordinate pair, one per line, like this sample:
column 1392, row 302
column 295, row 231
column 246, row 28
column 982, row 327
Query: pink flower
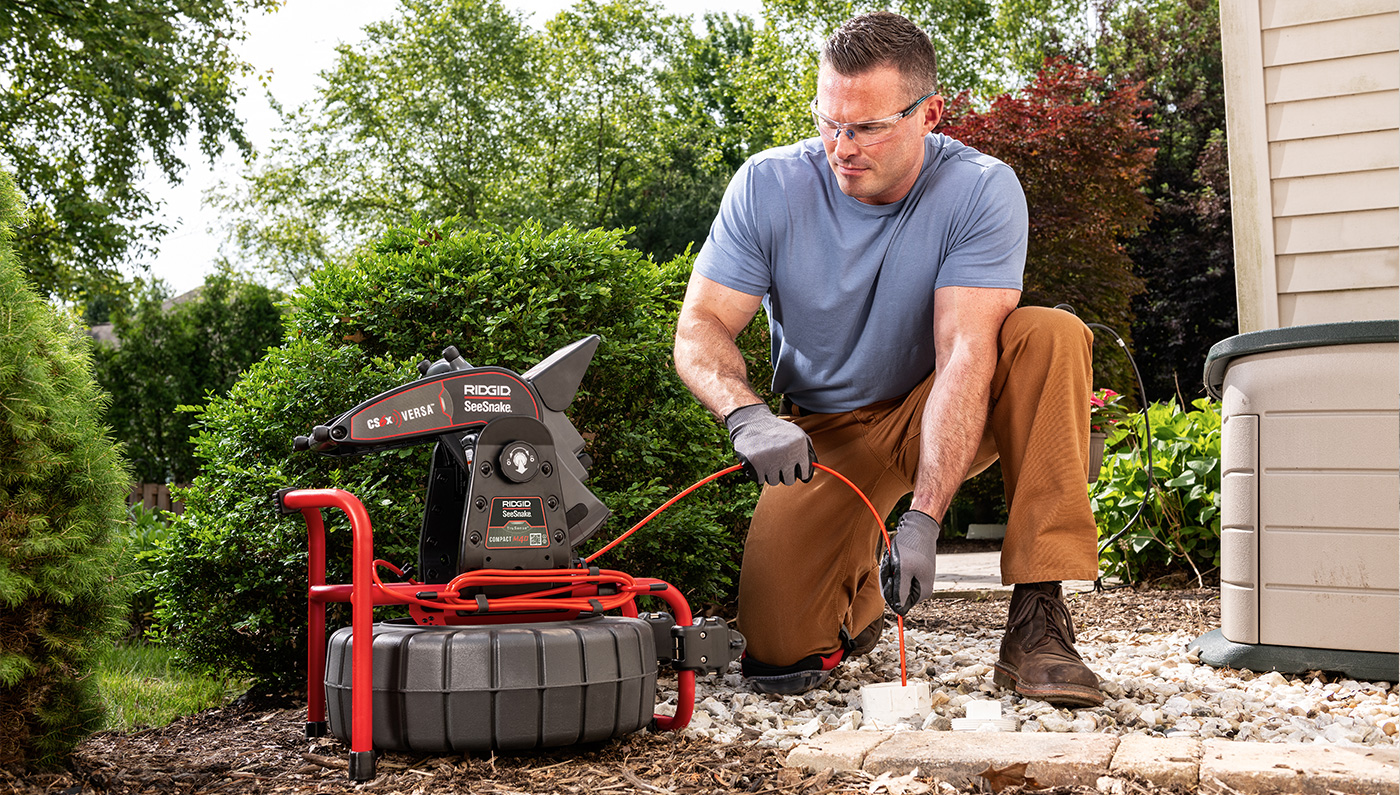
column 1104, row 409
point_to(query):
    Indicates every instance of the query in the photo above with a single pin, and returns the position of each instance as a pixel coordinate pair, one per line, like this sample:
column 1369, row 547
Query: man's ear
column 933, row 112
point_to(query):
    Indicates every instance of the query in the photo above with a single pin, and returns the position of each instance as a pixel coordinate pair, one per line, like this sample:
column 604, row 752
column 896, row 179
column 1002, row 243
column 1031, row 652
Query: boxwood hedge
column 232, row 576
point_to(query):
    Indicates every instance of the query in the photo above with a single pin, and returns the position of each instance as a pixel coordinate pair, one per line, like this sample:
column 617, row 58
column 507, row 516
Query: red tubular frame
column 364, row 593
column 685, row 680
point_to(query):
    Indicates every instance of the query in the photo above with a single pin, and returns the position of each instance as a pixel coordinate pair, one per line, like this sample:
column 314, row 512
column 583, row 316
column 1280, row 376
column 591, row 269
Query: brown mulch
column 257, row 745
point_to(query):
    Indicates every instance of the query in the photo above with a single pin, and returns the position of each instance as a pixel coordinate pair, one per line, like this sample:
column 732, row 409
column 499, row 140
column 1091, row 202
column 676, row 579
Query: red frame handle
column 364, row 593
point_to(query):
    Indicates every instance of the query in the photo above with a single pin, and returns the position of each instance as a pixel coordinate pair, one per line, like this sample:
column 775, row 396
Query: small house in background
column 105, row 334
column 1310, row 390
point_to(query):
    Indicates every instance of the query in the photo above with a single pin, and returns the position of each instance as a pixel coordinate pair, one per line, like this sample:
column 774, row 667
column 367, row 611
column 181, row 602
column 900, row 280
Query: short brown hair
column 882, row 38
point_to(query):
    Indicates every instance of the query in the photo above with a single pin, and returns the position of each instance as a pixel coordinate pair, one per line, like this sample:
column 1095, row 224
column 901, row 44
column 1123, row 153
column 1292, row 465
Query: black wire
column 1146, row 435
column 1146, row 439
column 1147, row 446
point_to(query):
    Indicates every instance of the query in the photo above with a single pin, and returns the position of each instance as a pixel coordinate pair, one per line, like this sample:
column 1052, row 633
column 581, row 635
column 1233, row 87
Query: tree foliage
column 172, row 355
column 232, row 579
column 62, row 492
column 965, row 35
column 1081, row 152
column 90, row 92
column 603, row 98
column 703, row 134
column 424, row 117
column 1030, row 31
column 1186, row 256
column 609, row 117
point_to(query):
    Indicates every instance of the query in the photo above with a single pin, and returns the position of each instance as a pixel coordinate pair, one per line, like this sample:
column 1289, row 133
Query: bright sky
column 295, row 44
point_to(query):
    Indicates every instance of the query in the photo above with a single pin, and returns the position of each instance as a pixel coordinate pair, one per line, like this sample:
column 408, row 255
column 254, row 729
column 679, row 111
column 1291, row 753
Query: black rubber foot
column 316, row 728
column 361, row 765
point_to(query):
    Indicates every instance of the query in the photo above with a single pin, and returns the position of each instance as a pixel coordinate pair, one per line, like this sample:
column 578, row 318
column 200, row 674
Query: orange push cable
column 639, row 525
column 903, row 670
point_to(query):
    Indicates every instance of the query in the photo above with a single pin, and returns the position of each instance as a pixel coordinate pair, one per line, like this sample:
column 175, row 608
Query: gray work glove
column 772, row 451
column 906, row 571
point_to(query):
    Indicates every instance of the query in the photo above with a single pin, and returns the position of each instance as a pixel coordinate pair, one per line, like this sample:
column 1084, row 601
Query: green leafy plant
column 232, row 577
column 140, row 537
column 1179, row 526
column 62, row 491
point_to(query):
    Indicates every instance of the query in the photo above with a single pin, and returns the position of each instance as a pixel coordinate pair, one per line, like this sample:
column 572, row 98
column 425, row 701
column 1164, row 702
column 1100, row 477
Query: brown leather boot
column 1038, row 659
column 865, row 642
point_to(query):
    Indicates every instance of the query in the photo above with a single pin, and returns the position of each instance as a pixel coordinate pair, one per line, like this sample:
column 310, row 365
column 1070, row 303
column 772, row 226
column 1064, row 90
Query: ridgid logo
column 499, row 391
column 486, row 398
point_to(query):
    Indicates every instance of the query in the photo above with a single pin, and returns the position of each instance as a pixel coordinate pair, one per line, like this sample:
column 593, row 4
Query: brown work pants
column 812, row 556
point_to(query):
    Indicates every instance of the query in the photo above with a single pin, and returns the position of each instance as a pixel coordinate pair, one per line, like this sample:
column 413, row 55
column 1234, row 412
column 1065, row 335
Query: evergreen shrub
column 62, row 493
column 232, row 577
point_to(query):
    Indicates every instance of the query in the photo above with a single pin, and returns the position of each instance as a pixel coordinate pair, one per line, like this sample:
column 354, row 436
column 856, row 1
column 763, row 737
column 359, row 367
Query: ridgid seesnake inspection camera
column 511, row 641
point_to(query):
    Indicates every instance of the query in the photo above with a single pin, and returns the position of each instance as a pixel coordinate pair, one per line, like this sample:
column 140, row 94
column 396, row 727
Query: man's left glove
column 772, row 451
column 906, row 571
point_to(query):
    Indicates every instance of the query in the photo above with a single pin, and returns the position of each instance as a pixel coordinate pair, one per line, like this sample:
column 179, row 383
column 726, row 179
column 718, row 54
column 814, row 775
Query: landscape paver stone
column 1165, row 761
column 1307, row 769
column 838, row 750
column 1063, row 759
column 958, row 757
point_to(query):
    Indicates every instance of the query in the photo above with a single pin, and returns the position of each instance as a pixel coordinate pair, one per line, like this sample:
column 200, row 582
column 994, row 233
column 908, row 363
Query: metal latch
column 708, row 645
column 661, row 623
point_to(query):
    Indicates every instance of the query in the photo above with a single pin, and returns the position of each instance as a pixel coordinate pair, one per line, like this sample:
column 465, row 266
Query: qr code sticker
column 538, row 540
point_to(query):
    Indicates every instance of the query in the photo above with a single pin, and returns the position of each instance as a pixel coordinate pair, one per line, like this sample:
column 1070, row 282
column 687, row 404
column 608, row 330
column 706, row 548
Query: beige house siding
column 1313, row 110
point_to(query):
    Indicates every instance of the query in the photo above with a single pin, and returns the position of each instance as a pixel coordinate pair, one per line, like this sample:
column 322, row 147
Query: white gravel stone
column 1153, row 686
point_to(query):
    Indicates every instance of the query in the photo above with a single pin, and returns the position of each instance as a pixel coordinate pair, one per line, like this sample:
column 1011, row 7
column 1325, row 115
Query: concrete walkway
column 1096, row 760
column 978, row 575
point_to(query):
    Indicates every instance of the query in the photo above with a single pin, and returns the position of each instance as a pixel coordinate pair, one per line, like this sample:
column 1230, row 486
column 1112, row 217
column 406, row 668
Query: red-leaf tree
column 1082, row 152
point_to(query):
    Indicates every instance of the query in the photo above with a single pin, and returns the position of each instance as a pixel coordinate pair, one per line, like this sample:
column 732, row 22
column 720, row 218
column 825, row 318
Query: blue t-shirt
column 849, row 286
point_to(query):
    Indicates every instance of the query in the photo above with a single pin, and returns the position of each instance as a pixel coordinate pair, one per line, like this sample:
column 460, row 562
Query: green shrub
column 1179, row 530
column 232, row 579
column 62, row 491
column 176, row 355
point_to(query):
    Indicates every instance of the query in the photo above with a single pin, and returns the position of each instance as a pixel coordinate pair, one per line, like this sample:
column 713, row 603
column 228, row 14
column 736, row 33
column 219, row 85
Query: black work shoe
column 789, row 680
column 1038, row 659
column 866, row 640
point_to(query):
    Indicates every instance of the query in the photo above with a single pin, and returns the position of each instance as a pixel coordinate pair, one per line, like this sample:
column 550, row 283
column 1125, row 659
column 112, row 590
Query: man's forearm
column 950, row 431
column 711, row 366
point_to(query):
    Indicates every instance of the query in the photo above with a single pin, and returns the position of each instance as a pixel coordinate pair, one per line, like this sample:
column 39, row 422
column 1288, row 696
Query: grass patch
column 142, row 687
